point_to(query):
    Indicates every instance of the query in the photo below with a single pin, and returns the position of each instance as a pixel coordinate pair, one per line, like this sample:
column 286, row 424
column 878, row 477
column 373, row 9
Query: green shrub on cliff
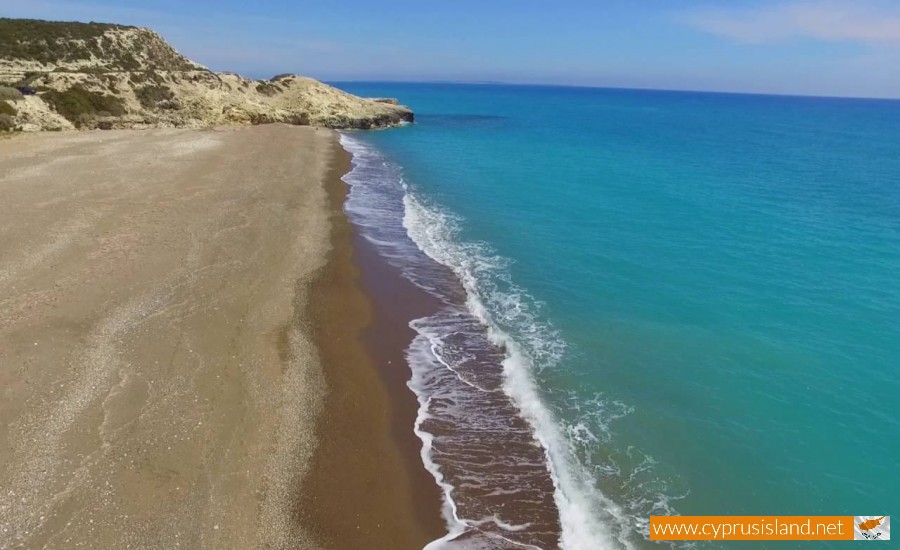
column 51, row 41
column 7, row 109
column 151, row 96
column 29, row 78
column 146, row 77
column 78, row 45
column 9, row 94
column 129, row 62
column 268, row 89
column 79, row 106
column 7, row 123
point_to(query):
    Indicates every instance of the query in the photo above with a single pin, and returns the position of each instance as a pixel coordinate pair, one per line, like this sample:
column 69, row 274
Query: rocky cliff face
column 91, row 75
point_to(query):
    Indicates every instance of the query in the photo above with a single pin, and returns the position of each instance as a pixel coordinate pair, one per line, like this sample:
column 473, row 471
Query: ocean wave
column 502, row 307
column 466, row 407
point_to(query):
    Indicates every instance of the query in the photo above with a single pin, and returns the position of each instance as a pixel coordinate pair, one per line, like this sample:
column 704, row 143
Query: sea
column 653, row 303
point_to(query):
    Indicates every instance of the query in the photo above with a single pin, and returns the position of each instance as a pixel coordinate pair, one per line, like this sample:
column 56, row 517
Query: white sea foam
column 584, row 514
column 508, row 317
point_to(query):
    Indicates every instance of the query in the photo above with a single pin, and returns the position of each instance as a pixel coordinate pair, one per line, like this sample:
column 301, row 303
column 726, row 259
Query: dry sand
column 159, row 387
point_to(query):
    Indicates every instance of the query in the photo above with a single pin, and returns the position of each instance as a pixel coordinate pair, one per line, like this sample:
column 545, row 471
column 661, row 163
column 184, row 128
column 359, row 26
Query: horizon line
column 606, row 87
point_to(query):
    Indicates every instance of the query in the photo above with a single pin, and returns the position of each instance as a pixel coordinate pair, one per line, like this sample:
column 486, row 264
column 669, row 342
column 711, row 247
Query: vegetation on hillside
column 268, row 89
column 154, row 97
column 99, row 75
column 81, row 107
column 141, row 77
column 7, row 114
column 54, row 42
column 49, row 41
column 7, row 122
column 10, row 94
column 7, row 109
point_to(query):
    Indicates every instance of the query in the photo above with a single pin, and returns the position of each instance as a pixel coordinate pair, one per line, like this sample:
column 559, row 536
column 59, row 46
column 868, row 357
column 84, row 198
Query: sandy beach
column 180, row 323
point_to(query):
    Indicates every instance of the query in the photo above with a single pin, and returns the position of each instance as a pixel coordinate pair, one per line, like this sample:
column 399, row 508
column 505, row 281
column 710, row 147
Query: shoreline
column 189, row 356
column 479, row 447
column 367, row 485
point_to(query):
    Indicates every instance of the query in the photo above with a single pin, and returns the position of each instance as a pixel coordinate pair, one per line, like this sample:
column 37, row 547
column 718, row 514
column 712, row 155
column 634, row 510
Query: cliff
column 93, row 75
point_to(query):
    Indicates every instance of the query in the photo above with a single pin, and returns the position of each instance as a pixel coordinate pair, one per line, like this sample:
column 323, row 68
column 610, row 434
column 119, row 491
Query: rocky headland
column 63, row 76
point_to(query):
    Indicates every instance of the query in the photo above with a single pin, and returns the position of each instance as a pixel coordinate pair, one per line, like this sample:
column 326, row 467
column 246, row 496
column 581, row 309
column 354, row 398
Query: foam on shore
column 473, row 379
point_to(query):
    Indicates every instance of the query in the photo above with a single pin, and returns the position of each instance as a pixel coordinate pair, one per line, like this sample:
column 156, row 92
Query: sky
column 809, row 47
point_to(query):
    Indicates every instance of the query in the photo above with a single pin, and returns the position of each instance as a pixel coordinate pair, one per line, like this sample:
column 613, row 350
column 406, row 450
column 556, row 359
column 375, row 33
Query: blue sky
column 818, row 47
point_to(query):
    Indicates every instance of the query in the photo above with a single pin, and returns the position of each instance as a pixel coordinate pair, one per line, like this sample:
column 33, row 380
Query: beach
column 183, row 357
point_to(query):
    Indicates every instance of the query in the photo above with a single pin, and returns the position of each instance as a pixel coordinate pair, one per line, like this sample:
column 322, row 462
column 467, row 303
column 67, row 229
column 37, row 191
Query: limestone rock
column 92, row 75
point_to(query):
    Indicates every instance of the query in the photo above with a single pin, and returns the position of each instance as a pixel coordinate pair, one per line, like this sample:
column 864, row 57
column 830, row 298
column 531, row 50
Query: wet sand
column 503, row 494
column 367, row 486
column 162, row 296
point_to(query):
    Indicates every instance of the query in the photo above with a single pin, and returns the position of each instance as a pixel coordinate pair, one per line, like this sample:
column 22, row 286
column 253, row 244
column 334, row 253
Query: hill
column 98, row 75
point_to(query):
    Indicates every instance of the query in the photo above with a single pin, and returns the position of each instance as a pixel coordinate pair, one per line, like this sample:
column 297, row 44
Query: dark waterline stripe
column 498, row 490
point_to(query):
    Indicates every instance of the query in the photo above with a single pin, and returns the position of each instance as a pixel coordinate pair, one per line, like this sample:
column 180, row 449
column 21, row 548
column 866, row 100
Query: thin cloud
column 855, row 22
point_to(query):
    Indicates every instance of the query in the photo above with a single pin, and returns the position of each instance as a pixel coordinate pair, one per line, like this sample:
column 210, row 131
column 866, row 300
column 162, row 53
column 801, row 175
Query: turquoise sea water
column 706, row 287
